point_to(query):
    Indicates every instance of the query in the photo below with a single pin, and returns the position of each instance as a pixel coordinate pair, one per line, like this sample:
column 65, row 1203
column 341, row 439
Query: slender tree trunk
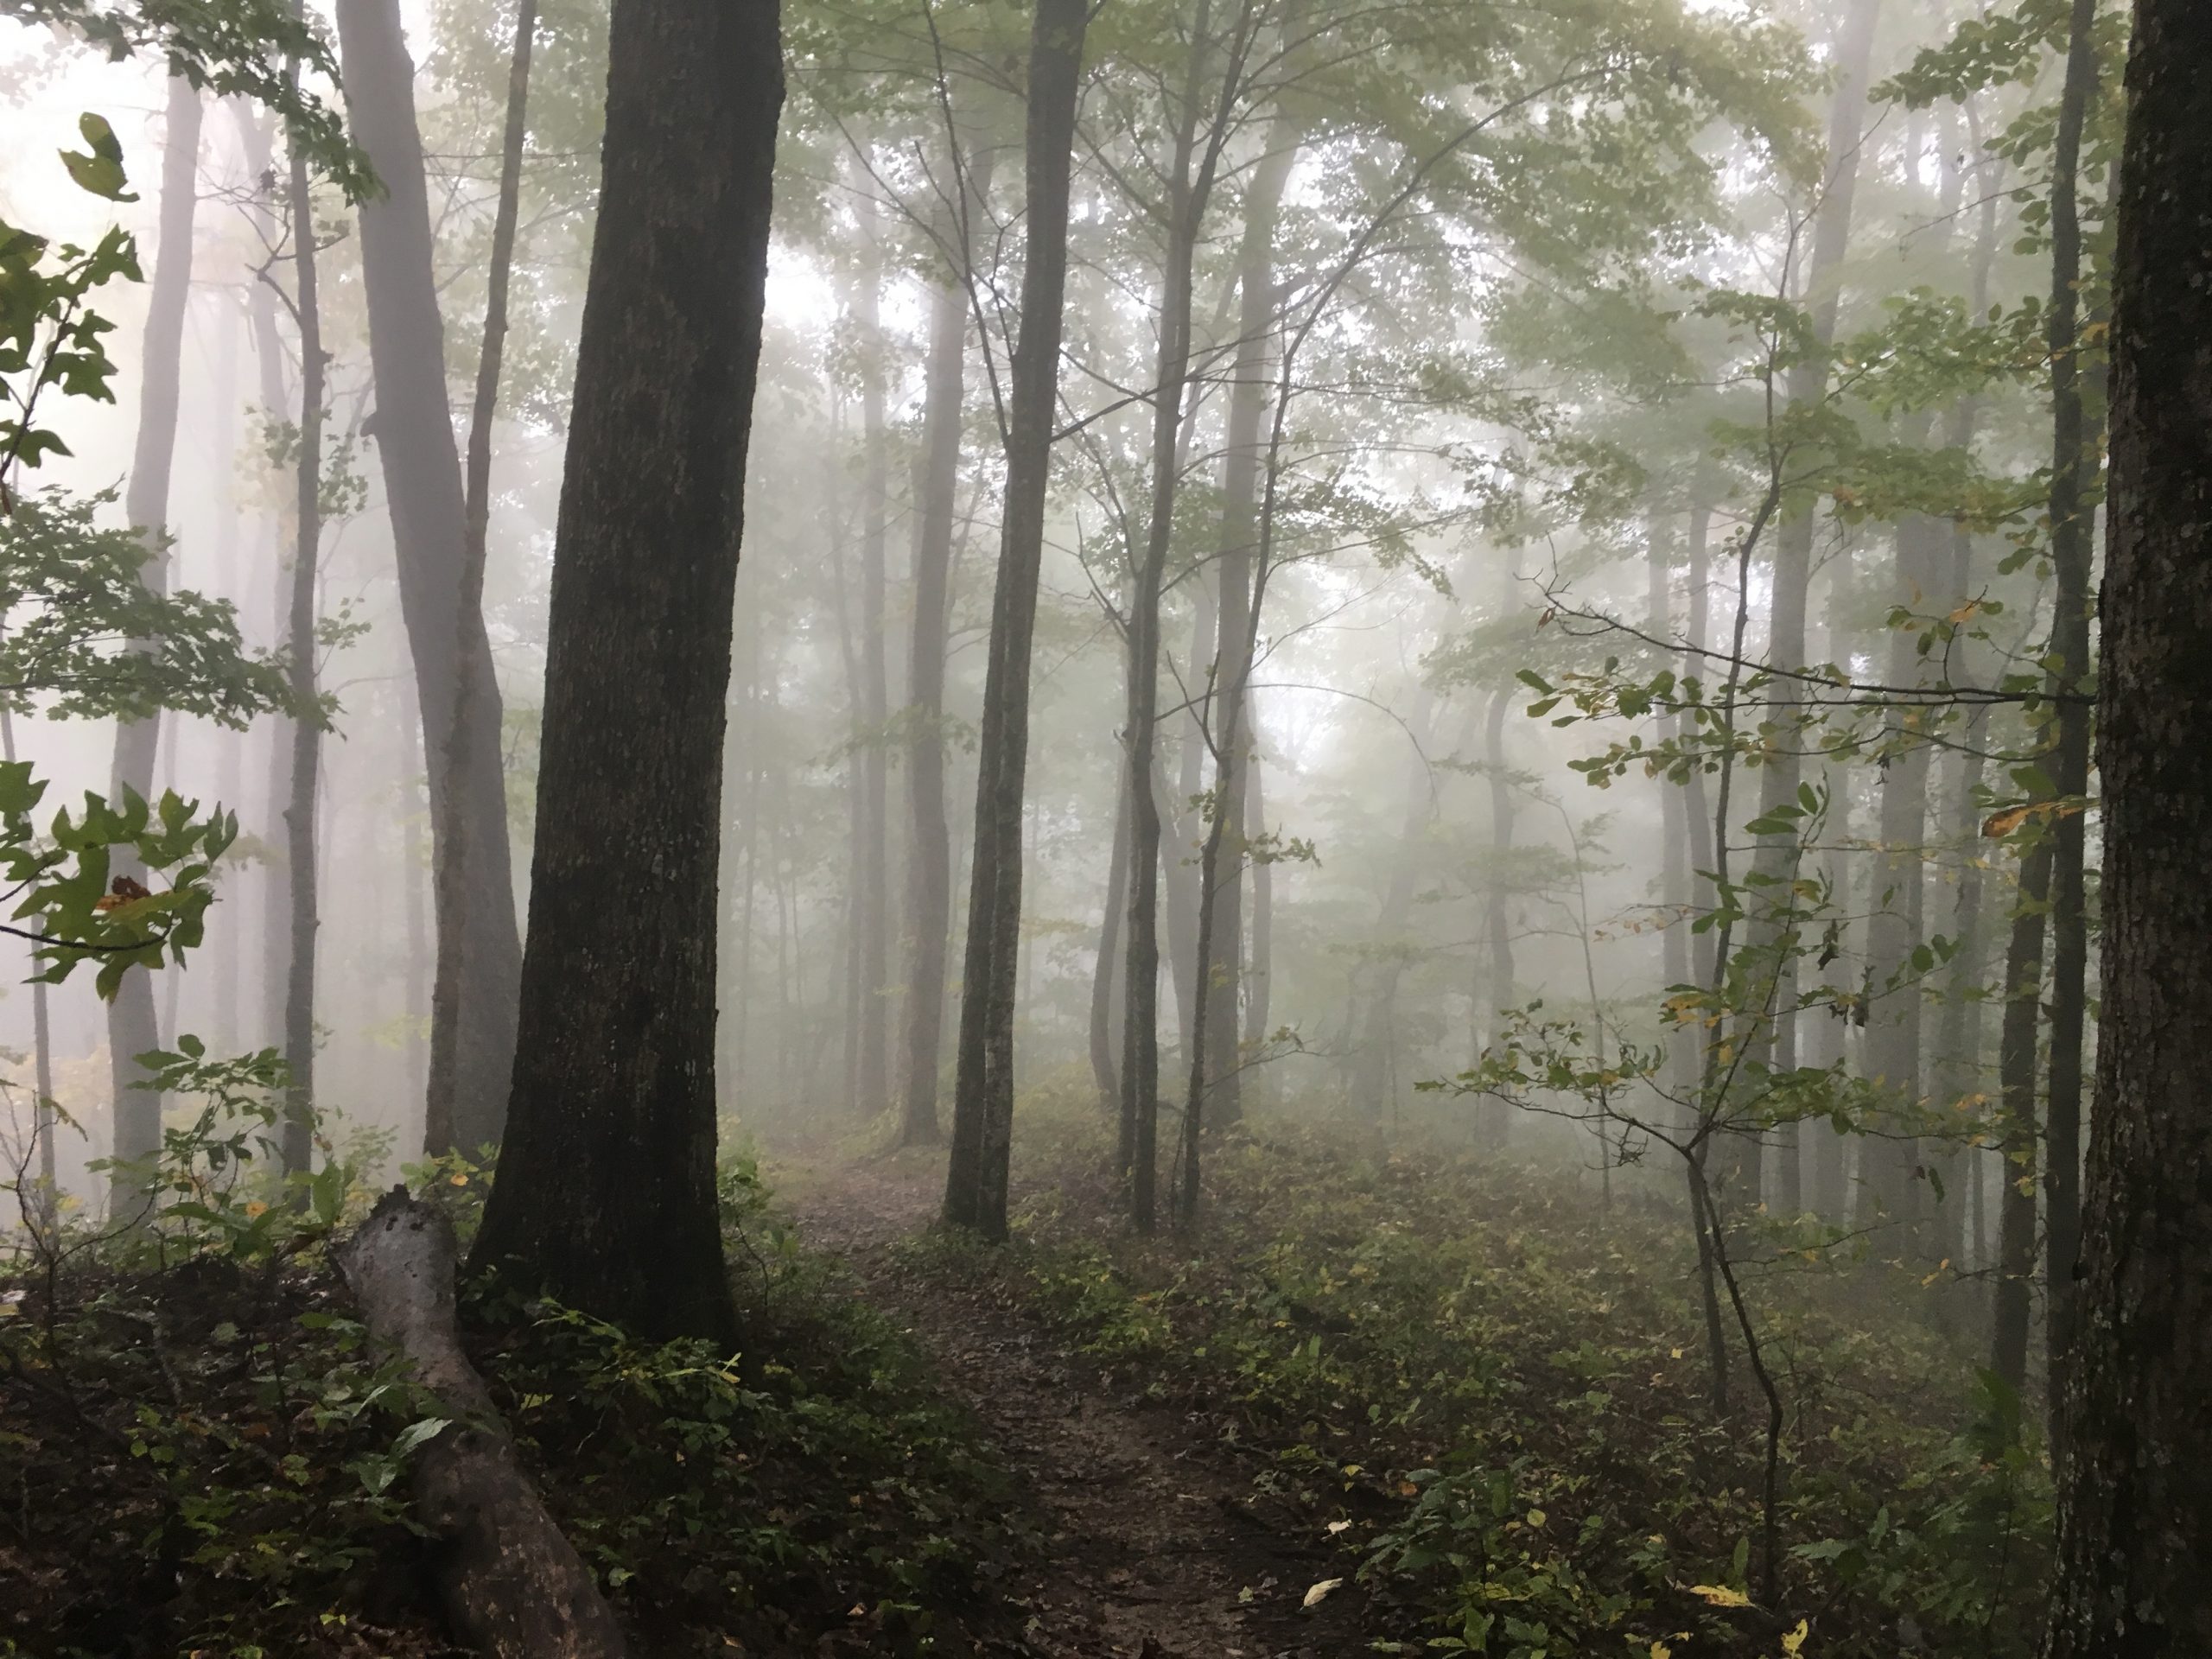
column 871, row 1083
column 440, row 560
column 2074, row 463
column 1782, row 772
column 982, row 1128
column 1370, row 1069
column 132, row 1028
column 606, row 1198
column 1259, row 964
column 929, row 857
column 1140, row 1039
column 1242, row 454
column 1106, row 983
column 306, row 772
column 1497, row 922
column 2135, row 1479
column 1895, row 929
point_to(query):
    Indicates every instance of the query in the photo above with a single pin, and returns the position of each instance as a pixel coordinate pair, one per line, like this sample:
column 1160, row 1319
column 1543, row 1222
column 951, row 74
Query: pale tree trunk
column 983, row 1127
column 514, row 1588
column 271, row 884
column 1497, row 913
column 929, row 856
column 1259, row 964
column 2135, row 1477
column 1243, row 449
column 1774, row 1039
column 606, row 1198
column 1107, row 980
column 1375, row 1033
column 306, row 771
column 872, row 859
column 439, row 563
column 1823, row 1043
column 132, row 1028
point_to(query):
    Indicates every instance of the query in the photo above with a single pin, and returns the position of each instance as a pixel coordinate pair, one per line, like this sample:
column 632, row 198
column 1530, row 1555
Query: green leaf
column 99, row 172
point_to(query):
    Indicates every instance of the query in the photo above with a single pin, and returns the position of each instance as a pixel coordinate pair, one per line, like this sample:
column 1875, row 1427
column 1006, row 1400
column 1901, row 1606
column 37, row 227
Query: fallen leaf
column 1336, row 1526
column 1795, row 1642
column 1720, row 1595
column 1319, row 1591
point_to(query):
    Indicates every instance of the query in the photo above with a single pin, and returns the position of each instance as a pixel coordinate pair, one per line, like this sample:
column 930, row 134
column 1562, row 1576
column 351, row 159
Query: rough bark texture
column 479, row 969
column 606, row 1195
column 982, row 1124
column 514, row 1588
column 132, row 1028
column 2135, row 1491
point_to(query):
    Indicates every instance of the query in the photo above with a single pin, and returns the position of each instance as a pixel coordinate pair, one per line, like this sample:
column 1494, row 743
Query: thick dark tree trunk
column 2135, row 1486
column 473, row 1003
column 297, row 1143
column 132, row 1028
column 605, row 1197
column 929, row 854
column 982, row 1123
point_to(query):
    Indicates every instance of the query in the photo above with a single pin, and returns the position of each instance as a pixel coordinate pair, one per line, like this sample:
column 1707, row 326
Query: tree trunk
column 440, row 567
column 1106, row 983
column 2135, row 1481
column 2074, row 460
column 1259, row 964
column 982, row 1124
column 1370, row 1075
column 297, row 1142
column 872, row 892
column 1773, row 1039
column 606, row 1198
column 1896, row 925
column 132, row 1028
column 1497, row 921
column 1242, row 453
column 514, row 1588
column 929, row 855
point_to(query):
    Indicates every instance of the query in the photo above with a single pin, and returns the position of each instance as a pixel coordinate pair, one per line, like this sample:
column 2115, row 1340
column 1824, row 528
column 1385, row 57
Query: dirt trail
column 1156, row 1549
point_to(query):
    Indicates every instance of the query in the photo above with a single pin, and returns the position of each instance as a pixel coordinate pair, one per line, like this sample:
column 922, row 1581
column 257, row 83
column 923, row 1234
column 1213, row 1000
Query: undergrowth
column 201, row 1453
column 1493, row 1393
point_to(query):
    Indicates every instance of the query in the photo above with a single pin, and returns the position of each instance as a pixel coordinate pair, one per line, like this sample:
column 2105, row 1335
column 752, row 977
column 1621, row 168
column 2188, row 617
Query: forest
column 1054, row 828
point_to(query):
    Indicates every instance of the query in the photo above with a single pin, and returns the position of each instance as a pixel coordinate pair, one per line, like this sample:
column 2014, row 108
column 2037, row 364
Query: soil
column 1156, row 1544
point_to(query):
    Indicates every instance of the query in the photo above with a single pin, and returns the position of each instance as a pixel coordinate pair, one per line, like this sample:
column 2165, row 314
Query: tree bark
column 605, row 1197
column 2072, row 533
column 440, row 563
column 132, row 1027
column 297, row 1136
column 1259, row 964
column 929, row 856
column 2135, row 1477
column 983, row 1125
column 514, row 1588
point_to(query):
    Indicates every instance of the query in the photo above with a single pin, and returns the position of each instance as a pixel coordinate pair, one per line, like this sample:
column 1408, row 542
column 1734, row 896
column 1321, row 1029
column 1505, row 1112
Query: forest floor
column 1155, row 1543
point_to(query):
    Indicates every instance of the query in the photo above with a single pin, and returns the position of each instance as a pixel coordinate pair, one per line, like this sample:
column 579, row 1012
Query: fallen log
column 514, row 1588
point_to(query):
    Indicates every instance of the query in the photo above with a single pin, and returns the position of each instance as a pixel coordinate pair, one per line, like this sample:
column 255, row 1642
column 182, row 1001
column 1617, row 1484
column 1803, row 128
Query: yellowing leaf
column 458, row 1180
column 1537, row 1517
column 1660, row 1651
column 2001, row 824
column 1319, row 1591
column 1720, row 1595
column 1674, row 1353
column 1795, row 1642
